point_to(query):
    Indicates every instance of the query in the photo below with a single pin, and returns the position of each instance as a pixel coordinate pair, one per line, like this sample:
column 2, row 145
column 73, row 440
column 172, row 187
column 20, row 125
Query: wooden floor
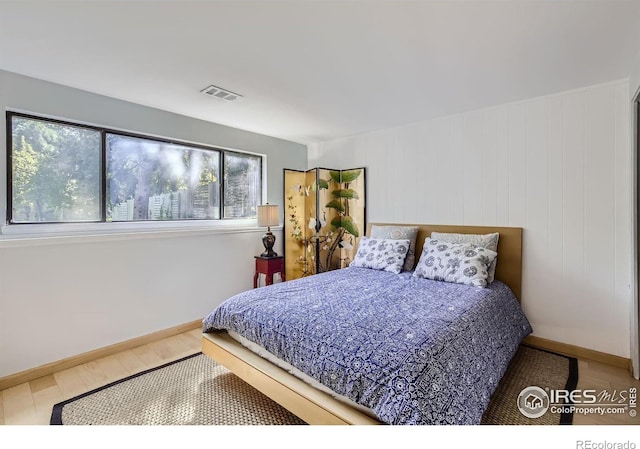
column 598, row 376
column 31, row 402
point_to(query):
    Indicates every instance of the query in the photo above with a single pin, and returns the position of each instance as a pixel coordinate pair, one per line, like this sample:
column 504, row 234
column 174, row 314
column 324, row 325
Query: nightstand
column 268, row 266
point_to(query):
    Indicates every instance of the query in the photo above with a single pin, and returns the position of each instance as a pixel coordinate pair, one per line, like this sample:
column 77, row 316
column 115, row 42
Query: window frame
column 103, row 130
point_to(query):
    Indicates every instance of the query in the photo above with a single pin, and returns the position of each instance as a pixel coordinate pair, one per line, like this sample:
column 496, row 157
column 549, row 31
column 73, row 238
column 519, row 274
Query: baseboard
column 578, row 352
column 53, row 367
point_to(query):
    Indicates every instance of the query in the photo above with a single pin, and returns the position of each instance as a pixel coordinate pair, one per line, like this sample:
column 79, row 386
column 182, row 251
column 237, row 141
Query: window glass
column 153, row 180
column 55, row 172
column 242, row 185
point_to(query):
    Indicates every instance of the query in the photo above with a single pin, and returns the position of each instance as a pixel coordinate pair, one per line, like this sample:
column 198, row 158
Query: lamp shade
column 268, row 215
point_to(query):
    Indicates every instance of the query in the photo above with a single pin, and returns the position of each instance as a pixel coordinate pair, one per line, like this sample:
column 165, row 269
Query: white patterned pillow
column 461, row 263
column 399, row 233
column 489, row 241
column 381, row 254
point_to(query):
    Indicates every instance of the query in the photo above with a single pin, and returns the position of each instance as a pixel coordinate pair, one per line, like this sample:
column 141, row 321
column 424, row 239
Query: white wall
column 63, row 299
column 60, row 297
column 558, row 166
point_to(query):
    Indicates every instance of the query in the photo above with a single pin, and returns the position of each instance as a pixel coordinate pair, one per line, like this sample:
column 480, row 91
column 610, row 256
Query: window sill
column 58, row 234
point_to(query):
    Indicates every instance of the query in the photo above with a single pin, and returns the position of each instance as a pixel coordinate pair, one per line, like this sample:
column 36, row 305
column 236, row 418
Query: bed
column 363, row 346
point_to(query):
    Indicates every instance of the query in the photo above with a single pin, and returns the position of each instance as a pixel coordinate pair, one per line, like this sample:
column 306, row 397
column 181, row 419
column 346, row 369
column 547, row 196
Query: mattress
column 257, row 349
column 410, row 350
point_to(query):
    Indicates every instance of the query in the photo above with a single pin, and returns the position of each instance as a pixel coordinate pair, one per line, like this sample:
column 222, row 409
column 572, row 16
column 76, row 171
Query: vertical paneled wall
column 559, row 166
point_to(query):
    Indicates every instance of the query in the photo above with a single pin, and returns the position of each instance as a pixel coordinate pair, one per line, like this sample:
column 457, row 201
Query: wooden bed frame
column 312, row 405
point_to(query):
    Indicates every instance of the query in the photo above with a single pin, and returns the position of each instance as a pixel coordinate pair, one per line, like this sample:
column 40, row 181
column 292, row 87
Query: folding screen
column 324, row 219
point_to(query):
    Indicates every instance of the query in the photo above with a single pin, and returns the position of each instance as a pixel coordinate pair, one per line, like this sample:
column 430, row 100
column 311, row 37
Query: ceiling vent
column 222, row 94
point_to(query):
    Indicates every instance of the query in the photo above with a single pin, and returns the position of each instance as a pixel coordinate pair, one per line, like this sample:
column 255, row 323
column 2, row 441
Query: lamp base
column 268, row 239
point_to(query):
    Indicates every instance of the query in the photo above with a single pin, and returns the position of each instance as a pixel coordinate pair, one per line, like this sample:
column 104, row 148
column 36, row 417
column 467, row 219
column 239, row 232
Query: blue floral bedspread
column 414, row 351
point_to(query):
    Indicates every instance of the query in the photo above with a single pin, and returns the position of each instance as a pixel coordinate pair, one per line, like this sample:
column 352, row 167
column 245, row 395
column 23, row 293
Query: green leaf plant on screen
column 343, row 223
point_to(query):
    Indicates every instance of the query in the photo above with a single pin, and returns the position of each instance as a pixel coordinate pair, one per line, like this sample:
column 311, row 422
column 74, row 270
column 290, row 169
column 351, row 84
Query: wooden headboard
column 509, row 266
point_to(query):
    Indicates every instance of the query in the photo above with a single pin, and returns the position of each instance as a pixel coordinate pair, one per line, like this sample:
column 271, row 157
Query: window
column 151, row 180
column 241, row 185
column 63, row 172
column 55, row 172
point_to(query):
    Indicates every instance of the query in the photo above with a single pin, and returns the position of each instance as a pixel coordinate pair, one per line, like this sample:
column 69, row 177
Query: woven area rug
column 531, row 367
column 197, row 391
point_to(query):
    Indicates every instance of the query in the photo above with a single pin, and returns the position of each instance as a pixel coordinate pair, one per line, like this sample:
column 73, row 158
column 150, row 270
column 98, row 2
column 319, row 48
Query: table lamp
column 268, row 216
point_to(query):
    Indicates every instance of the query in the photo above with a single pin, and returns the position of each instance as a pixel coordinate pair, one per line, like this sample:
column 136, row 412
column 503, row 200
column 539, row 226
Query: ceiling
column 312, row 71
